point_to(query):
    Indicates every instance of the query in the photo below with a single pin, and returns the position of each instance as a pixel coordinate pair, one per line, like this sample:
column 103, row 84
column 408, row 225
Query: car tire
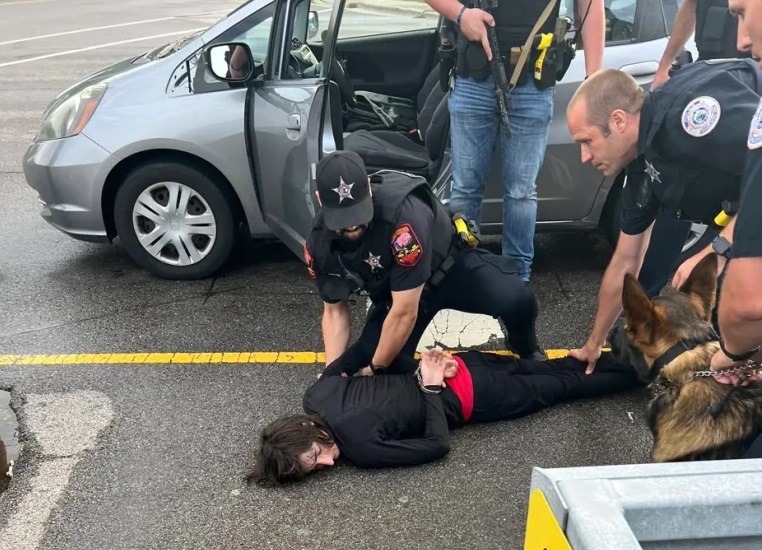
column 186, row 244
column 611, row 220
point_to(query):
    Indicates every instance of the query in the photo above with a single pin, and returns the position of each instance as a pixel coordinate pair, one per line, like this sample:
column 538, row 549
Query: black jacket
column 381, row 421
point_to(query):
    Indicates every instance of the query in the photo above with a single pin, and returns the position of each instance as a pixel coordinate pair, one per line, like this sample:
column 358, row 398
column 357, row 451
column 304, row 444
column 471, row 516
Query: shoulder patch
column 701, row 116
column 755, row 130
column 405, row 246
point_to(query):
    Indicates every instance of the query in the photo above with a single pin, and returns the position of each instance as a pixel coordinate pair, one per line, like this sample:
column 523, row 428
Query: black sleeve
column 354, row 358
column 747, row 235
column 411, row 245
column 331, row 289
column 360, row 435
column 639, row 206
column 707, row 126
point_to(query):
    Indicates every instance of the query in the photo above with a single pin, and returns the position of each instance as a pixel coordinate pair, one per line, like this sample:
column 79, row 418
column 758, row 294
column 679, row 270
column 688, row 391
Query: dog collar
column 673, row 353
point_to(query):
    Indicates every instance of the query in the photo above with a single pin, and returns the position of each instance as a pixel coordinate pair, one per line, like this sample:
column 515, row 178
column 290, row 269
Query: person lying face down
column 402, row 420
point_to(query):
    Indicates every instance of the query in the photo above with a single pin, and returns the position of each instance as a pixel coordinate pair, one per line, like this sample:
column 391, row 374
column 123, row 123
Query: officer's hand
column 721, row 361
column 588, row 353
column 661, row 76
column 472, row 24
column 685, row 269
column 365, row 372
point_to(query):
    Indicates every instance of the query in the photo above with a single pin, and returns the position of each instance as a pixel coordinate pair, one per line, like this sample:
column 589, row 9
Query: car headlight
column 71, row 116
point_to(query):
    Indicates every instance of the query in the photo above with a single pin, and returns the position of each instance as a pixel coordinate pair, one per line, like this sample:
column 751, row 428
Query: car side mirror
column 230, row 62
column 313, row 24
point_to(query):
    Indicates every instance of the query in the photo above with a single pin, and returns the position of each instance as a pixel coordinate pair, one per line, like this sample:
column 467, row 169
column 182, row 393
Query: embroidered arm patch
column 406, row 247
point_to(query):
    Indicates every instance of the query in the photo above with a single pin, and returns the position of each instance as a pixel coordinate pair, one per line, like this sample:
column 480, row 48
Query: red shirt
column 462, row 385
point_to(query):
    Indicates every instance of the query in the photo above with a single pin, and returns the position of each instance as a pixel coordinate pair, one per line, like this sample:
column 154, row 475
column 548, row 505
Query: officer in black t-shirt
column 683, row 146
column 389, row 237
column 740, row 304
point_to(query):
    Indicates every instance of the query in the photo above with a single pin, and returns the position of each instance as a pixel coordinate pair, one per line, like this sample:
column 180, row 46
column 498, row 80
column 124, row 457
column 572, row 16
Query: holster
column 547, row 63
column 464, row 236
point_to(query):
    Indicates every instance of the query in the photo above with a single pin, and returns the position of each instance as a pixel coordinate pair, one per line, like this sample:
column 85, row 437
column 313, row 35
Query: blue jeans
column 475, row 125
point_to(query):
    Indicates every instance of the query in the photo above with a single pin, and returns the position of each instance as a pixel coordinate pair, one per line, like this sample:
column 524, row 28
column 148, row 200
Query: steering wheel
column 337, row 73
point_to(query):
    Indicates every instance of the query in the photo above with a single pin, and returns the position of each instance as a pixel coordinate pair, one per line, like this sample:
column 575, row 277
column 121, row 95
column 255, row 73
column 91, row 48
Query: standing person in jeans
column 475, row 123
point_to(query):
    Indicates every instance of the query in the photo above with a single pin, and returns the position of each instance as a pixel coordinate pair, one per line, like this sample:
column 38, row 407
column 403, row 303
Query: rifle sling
column 527, row 45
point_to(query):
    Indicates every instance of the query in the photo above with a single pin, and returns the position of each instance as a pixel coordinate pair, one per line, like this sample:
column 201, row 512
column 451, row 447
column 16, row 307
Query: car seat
column 365, row 116
column 384, row 149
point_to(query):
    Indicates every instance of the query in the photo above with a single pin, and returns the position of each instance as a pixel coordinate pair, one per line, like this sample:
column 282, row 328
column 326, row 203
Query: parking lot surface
column 142, row 433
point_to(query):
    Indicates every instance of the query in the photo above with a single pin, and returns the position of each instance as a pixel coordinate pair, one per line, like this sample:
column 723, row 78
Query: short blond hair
column 604, row 92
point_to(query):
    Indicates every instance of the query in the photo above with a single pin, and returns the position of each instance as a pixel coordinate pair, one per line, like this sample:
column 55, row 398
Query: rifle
column 497, row 65
column 447, row 52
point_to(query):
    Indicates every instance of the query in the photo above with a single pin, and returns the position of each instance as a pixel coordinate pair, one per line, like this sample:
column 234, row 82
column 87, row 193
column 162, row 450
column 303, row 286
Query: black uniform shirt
column 700, row 143
column 411, row 248
column 747, row 236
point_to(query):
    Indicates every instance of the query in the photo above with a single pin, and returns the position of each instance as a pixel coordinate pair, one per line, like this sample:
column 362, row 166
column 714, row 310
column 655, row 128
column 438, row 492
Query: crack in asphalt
column 561, row 285
column 205, row 295
column 209, row 293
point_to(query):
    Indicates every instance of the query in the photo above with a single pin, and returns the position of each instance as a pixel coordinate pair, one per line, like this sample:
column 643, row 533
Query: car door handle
column 294, row 122
column 641, row 69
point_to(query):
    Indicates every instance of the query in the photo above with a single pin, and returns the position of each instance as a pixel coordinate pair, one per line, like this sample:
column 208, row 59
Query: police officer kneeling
column 390, row 237
column 684, row 149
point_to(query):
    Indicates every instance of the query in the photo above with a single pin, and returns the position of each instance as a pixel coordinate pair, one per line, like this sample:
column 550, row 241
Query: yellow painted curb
column 188, row 358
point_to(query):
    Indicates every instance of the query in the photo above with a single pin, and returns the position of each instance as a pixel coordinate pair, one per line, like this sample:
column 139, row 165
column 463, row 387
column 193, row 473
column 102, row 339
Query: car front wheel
column 174, row 220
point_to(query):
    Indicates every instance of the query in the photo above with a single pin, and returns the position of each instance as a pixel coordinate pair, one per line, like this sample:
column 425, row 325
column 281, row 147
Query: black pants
column 668, row 237
column 507, row 388
column 479, row 282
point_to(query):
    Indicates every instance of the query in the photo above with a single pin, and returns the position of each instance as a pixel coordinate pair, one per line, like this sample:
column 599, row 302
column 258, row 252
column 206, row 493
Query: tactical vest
column 716, row 30
column 549, row 56
column 367, row 266
column 515, row 20
column 709, row 186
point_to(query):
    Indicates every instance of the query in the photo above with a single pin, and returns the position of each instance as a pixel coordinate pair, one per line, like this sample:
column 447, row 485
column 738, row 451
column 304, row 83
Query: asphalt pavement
column 124, row 455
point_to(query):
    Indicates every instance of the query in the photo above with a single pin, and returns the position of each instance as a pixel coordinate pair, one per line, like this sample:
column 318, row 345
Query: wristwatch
column 741, row 356
column 721, row 246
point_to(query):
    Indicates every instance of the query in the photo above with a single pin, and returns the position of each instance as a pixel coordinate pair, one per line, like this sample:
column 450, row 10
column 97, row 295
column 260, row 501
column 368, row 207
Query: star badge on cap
column 344, row 190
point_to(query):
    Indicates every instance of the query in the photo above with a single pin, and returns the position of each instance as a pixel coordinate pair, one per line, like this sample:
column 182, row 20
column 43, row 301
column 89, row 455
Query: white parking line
column 98, row 46
column 91, row 29
column 65, row 425
column 22, row 2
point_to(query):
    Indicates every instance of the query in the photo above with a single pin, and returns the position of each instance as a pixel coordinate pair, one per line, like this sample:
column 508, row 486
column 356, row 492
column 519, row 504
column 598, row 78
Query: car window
column 255, row 31
column 358, row 21
column 620, row 18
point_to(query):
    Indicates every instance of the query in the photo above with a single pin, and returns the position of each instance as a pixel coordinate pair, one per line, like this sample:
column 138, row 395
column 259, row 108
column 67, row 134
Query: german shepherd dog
column 670, row 341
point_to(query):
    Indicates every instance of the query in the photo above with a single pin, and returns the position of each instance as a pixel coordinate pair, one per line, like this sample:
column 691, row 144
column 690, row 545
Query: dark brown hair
column 281, row 443
column 606, row 91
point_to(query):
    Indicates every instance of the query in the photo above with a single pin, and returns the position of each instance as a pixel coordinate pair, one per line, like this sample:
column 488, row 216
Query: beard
column 352, row 234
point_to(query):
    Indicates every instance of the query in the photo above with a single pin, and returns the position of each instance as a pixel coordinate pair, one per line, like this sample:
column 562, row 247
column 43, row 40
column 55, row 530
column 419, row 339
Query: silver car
column 178, row 155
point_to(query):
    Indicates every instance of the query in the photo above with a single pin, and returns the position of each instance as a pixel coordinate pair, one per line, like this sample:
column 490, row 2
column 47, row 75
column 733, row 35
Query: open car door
column 288, row 127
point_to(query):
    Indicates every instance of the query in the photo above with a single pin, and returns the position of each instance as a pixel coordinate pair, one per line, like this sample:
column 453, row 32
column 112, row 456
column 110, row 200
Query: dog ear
column 701, row 285
column 638, row 308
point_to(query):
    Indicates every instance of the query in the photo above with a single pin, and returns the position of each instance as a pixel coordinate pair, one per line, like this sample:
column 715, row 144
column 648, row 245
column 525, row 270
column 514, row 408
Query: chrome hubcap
column 174, row 223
